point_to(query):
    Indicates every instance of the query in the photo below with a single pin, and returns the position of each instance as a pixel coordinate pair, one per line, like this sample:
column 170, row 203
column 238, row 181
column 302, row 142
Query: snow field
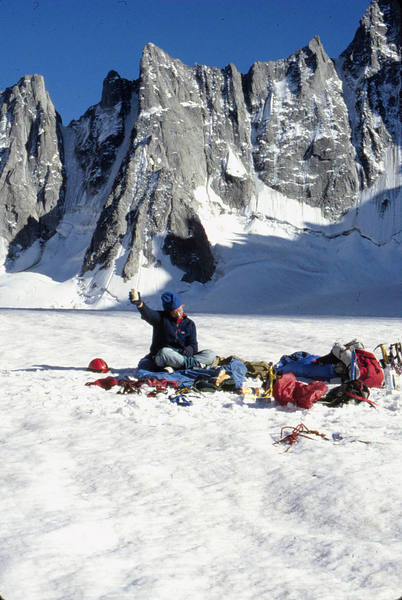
column 111, row 496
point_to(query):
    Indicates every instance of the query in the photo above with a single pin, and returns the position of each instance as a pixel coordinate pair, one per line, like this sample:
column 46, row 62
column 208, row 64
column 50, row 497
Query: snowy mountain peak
column 31, row 167
column 371, row 75
column 377, row 41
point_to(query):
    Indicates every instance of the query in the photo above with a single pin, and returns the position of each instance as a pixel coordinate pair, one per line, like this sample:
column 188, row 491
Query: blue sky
column 74, row 43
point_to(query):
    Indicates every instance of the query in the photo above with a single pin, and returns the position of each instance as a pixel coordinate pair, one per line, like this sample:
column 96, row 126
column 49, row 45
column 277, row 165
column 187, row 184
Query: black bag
column 351, row 391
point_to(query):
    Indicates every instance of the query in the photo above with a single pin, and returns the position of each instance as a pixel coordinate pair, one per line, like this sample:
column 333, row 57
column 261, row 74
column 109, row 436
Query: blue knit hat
column 171, row 301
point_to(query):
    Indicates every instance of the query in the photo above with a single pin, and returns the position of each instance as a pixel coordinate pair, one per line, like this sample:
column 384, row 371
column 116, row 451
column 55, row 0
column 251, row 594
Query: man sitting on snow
column 174, row 340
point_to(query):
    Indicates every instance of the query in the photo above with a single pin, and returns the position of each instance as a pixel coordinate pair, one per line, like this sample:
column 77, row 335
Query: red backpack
column 369, row 369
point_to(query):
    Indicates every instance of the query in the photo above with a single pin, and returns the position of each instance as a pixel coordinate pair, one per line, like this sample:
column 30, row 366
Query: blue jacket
column 168, row 331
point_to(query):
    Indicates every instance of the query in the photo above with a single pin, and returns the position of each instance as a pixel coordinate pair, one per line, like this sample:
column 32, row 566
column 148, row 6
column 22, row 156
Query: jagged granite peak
column 370, row 68
column 300, row 130
column 202, row 108
column 376, row 40
column 158, row 177
column 31, row 164
column 192, row 120
column 285, row 123
column 100, row 132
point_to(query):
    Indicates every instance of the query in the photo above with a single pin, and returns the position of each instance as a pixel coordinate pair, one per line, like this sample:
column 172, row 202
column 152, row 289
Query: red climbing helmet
column 98, row 365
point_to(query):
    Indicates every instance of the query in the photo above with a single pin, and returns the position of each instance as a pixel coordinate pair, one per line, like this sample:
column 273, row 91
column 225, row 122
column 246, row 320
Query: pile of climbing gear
column 351, row 391
column 136, row 386
column 357, row 371
column 297, row 432
column 395, row 356
column 391, row 363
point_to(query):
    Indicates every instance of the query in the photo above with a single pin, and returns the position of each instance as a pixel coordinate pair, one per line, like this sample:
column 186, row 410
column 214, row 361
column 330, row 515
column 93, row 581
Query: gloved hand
column 188, row 351
column 135, row 297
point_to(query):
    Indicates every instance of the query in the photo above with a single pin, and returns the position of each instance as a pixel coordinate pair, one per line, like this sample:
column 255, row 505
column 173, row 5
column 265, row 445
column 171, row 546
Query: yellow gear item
column 269, row 389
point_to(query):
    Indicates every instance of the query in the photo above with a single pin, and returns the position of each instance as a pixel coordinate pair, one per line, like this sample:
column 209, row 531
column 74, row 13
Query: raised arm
column 148, row 314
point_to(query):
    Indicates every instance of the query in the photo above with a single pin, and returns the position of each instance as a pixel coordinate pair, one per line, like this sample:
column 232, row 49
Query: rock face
column 32, row 178
column 370, row 69
column 126, row 180
column 301, row 132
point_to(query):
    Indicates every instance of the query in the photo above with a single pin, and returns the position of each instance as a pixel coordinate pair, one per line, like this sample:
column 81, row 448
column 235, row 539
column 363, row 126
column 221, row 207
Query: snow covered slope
column 116, row 497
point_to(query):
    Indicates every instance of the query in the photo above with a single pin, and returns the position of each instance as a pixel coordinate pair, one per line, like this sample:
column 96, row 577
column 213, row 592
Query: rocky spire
column 31, row 164
column 370, row 68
